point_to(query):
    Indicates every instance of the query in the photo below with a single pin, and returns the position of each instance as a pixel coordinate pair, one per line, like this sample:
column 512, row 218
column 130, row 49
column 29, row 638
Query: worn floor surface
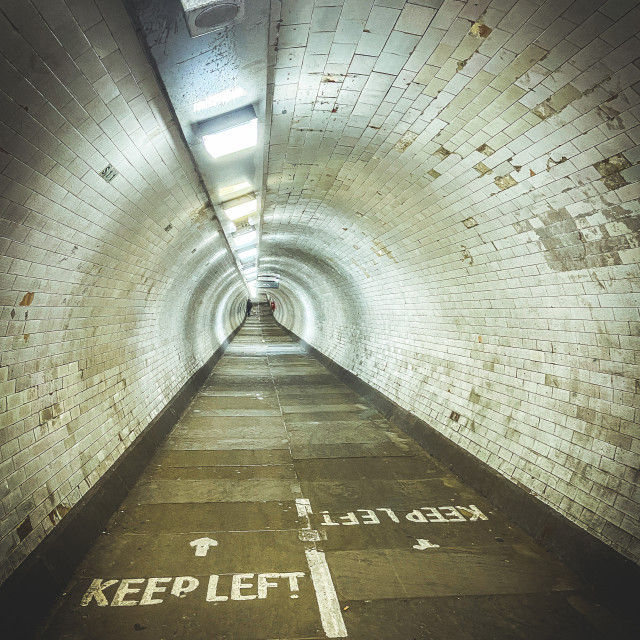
column 282, row 506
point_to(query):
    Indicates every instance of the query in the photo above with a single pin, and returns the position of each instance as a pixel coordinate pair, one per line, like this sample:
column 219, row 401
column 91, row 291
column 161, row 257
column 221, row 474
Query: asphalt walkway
column 283, row 506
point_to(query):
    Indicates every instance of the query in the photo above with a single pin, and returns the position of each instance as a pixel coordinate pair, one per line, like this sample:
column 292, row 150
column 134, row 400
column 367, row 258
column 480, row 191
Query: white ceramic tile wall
column 112, row 294
column 453, row 208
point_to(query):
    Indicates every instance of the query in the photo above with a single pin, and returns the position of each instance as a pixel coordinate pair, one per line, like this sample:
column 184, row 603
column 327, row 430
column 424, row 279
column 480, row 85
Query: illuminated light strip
column 241, row 186
column 241, row 210
column 232, row 140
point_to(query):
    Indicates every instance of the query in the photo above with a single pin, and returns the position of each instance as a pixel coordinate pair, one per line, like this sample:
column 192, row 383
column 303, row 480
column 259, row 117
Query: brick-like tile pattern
column 453, row 207
column 112, row 293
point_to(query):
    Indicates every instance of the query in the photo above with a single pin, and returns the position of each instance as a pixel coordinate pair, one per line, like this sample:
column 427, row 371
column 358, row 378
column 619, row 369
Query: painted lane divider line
column 202, row 545
column 303, row 507
column 328, row 605
column 330, row 614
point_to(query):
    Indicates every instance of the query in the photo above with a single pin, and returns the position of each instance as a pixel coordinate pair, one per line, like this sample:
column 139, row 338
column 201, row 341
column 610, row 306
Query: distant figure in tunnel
column 273, row 305
column 249, row 306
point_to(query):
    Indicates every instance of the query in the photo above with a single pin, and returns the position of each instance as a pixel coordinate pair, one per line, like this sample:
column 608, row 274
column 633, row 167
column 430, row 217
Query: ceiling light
column 249, row 253
column 241, row 207
column 245, row 238
column 242, row 136
column 219, row 98
column 234, row 188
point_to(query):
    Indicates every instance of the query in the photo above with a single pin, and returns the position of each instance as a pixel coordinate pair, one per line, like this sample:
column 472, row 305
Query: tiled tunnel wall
column 113, row 293
column 460, row 181
column 452, row 205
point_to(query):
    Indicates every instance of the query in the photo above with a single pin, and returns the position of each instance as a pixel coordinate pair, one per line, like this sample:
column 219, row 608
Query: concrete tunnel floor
column 284, row 506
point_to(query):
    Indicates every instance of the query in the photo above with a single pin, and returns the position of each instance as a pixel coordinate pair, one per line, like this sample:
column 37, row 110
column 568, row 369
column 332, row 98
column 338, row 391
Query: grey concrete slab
column 397, row 573
column 208, row 413
column 190, row 616
column 187, row 443
column 368, row 413
column 239, row 391
column 163, row 491
column 240, row 379
column 401, row 494
column 310, row 391
column 307, row 399
column 214, row 403
column 392, row 468
column 331, row 433
column 354, row 450
column 205, row 517
column 322, row 407
column 155, row 554
column 218, row 458
column 205, row 424
column 543, row 616
column 280, row 471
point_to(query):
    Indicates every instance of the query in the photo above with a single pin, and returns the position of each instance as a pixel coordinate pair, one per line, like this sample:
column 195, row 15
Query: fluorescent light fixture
column 219, row 98
column 249, row 253
column 245, row 239
column 240, row 207
column 238, row 138
column 234, row 188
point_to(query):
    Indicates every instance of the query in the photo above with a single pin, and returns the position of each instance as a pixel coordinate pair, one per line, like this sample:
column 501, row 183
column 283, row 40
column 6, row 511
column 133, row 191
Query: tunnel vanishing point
column 429, row 425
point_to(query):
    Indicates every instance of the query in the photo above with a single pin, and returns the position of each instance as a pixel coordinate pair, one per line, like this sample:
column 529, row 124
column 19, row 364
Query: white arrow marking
column 202, row 545
column 424, row 544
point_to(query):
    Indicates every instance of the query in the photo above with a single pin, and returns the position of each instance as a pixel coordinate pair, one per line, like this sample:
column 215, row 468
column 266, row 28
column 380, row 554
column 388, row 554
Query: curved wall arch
column 113, row 293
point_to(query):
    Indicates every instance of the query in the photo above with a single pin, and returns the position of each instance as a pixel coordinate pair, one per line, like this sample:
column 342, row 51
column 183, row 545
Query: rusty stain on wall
column 486, row 149
column 576, row 243
column 482, row 168
column 381, row 250
column 200, row 215
column 470, row 223
column 405, row 141
column 480, row 30
column 366, row 273
column 610, row 170
column 505, row 182
column 58, row 513
column 552, row 163
column 28, row 299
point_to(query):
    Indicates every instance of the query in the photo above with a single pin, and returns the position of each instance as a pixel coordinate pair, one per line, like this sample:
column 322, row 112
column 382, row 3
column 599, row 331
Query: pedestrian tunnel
column 440, row 200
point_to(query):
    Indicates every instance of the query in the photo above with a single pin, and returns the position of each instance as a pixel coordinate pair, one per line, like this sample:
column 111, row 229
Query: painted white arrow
column 202, row 545
column 424, row 544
